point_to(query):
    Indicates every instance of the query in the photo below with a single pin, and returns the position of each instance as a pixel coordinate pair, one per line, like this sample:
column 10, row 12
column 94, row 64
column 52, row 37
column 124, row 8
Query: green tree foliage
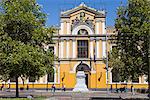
column 22, row 35
column 133, row 26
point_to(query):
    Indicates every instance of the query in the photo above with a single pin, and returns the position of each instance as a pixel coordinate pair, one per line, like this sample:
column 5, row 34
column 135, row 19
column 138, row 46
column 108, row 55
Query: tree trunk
column 17, row 90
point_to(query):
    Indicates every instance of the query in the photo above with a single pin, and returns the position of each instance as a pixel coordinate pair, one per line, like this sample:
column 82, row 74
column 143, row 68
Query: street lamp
column 106, row 57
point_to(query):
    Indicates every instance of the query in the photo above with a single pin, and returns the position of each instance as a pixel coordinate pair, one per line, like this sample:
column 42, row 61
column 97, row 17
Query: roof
column 82, row 6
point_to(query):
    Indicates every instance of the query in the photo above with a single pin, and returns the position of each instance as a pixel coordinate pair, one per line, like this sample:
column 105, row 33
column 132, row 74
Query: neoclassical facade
column 81, row 44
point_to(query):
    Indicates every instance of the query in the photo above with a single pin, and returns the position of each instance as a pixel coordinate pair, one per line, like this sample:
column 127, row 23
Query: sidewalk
column 69, row 95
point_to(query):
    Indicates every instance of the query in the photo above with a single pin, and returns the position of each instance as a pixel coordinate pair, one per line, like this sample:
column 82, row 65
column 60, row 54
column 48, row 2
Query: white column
column 97, row 49
column 58, row 73
column 91, row 49
column 46, row 76
column 103, row 27
column 103, row 40
column 74, row 49
column 103, row 48
column 67, row 49
column 97, row 28
column 68, row 28
column 55, row 51
column 55, row 74
column 62, row 28
column 61, row 49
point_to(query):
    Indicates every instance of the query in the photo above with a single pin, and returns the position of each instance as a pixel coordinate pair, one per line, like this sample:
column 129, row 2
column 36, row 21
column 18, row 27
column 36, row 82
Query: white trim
column 75, row 31
column 67, row 50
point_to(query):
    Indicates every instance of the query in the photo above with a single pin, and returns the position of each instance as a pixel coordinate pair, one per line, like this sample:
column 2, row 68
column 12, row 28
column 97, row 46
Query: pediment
column 83, row 7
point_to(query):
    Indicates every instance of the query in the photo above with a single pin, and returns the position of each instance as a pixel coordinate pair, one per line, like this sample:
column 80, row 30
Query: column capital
column 62, row 21
column 73, row 39
column 62, row 39
column 67, row 39
column 98, row 38
column 103, row 38
column 92, row 38
column 98, row 20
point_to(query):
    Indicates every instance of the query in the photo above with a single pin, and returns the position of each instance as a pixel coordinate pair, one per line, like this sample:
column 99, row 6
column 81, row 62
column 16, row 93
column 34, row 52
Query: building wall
column 65, row 48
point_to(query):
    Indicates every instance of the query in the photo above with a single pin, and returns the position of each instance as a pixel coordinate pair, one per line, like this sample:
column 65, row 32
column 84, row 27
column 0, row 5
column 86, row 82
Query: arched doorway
column 86, row 69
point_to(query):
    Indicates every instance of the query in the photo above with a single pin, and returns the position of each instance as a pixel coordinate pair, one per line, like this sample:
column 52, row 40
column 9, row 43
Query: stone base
column 80, row 85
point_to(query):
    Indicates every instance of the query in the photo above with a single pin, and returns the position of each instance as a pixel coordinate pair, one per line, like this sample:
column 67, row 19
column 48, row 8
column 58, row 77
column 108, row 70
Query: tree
column 22, row 35
column 133, row 26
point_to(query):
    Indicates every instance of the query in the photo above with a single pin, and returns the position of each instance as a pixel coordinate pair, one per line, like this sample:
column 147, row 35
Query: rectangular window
column 50, row 77
column 82, row 49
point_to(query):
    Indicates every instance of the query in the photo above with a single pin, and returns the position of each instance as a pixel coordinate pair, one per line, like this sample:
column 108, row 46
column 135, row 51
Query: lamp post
column 106, row 56
column 107, row 63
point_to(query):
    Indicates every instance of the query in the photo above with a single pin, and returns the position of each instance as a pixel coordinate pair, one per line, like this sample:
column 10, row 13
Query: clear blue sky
column 53, row 8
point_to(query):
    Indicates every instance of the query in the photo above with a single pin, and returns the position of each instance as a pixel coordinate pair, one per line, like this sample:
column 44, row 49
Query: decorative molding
column 76, row 65
column 75, row 30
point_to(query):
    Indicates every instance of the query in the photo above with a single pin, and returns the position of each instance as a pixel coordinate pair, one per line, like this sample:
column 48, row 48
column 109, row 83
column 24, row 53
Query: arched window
column 82, row 32
column 50, row 76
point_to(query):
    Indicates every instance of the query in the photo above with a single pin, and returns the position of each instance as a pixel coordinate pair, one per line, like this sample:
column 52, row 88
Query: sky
column 53, row 8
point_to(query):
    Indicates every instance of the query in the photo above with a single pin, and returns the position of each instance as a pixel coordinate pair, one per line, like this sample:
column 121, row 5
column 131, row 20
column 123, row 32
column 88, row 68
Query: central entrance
column 86, row 69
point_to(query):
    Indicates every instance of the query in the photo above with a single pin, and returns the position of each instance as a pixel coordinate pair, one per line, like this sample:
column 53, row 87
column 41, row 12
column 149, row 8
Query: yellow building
column 80, row 44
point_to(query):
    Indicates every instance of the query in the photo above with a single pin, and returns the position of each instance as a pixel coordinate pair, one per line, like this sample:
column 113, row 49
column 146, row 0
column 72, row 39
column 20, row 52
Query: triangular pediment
column 82, row 6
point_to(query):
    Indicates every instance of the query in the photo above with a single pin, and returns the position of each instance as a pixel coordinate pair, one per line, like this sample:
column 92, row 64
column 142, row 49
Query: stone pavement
column 69, row 95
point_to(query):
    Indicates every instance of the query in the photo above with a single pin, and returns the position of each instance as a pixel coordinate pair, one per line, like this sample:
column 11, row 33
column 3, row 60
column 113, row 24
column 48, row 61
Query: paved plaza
column 69, row 95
